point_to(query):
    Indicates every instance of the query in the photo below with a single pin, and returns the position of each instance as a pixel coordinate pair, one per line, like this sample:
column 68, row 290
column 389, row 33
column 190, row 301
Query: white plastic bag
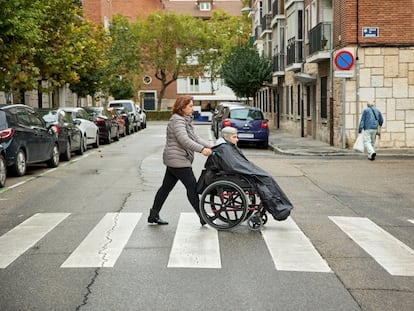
column 359, row 143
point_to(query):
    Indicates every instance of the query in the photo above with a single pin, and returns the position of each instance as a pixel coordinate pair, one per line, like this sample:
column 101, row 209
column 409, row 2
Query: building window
column 205, row 6
column 324, row 104
column 299, row 101
column 147, row 80
column 194, row 85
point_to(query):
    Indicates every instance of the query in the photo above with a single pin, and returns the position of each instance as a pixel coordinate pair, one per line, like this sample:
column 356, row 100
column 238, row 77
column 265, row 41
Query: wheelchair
column 229, row 200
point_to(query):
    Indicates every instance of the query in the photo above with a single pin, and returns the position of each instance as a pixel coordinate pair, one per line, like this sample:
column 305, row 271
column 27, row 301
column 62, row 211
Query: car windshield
column 127, row 105
column 244, row 114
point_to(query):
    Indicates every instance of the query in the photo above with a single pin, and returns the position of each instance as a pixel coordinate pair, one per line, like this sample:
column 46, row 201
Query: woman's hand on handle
column 206, row 152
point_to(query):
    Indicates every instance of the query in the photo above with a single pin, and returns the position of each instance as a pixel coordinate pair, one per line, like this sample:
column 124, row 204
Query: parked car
column 3, row 167
column 251, row 125
column 217, row 116
column 132, row 109
column 26, row 139
column 129, row 128
column 107, row 125
column 89, row 129
column 119, row 119
column 70, row 137
column 143, row 117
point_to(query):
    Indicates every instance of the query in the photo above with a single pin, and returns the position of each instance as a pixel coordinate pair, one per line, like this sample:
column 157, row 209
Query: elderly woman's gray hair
column 228, row 131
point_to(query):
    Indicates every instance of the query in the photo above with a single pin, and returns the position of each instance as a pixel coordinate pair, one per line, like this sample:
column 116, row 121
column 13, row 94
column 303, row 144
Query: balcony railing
column 320, row 38
column 279, row 62
column 294, row 51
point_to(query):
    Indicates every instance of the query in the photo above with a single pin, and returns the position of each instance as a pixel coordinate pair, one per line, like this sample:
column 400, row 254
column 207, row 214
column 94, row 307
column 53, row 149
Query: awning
column 304, row 77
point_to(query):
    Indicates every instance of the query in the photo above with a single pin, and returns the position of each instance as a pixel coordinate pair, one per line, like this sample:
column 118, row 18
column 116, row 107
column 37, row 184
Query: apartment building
column 311, row 95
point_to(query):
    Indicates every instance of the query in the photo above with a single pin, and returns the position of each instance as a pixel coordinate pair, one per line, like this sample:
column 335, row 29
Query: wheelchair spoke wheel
column 255, row 222
column 223, row 205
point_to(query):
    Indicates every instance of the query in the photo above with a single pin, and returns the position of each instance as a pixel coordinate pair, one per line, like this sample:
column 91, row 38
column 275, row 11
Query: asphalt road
column 76, row 237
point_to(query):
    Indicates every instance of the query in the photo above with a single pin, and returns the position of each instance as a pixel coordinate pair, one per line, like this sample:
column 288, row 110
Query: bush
column 158, row 115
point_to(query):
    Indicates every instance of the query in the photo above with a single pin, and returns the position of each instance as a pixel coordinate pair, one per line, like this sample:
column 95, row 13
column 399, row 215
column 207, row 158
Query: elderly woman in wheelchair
column 234, row 190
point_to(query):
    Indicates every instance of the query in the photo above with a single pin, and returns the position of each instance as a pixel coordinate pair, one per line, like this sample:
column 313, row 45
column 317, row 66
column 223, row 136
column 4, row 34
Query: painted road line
column 393, row 255
column 411, row 220
column 194, row 246
column 104, row 244
column 28, row 233
column 290, row 249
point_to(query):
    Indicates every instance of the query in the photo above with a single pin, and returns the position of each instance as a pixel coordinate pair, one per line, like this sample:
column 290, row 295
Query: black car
column 106, row 122
column 218, row 115
column 26, row 139
column 70, row 137
column 3, row 167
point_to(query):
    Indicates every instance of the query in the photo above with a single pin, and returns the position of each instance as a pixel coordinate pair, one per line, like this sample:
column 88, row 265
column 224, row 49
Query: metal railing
column 294, row 51
column 320, row 38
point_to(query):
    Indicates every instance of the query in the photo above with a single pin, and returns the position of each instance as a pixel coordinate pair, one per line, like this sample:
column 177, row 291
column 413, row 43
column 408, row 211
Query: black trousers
column 171, row 177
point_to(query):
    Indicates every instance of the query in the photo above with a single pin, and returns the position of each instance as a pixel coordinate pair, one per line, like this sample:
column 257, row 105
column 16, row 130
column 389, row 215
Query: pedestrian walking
column 371, row 122
column 178, row 156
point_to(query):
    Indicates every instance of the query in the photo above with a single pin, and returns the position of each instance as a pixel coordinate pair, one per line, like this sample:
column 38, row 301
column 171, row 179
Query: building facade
column 310, row 95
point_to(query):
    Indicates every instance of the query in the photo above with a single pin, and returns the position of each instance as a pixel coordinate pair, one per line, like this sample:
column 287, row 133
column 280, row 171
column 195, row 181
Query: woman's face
column 188, row 110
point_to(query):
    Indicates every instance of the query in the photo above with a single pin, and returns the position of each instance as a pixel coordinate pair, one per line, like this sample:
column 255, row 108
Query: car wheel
column 117, row 135
column 96, row 144
column 19, row 166
column 82, row 147
column 54, row 160
column 67, row 154
column 108, row 137
column 3, row 171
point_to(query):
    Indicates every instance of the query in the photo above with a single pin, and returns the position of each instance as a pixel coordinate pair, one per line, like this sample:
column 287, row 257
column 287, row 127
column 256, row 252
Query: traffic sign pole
column 344, row 61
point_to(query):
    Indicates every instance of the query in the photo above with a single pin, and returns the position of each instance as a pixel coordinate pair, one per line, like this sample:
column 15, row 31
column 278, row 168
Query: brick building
column 101, row 11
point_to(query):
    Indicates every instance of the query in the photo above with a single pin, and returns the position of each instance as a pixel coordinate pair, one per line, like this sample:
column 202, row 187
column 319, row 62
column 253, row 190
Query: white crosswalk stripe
column 290, row 249
column 393, row 255
column 104, row 244
column 199, row 247
column 18, row 240
column 194, row 246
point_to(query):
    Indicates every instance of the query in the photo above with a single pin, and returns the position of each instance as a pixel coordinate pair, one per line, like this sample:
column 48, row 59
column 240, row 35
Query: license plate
column 246, row 135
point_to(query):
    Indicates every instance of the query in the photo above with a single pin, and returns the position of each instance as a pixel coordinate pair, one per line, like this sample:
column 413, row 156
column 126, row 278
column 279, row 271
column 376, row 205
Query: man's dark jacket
column 228, row 157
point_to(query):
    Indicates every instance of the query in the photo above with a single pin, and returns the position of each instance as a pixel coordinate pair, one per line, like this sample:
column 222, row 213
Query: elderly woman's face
column 188, row 110
column 233, row 139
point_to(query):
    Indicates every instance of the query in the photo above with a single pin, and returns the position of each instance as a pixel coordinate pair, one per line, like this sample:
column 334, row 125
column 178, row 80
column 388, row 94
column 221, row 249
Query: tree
column 170, row 47
column 245, row 71
column 226, row 32
column 19, row 34
column 124, row 59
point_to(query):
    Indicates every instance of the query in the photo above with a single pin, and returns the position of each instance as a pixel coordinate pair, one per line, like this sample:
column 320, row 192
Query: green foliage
column 161, row 115
column 122, row 89
column 245, row 71
column 172, row 45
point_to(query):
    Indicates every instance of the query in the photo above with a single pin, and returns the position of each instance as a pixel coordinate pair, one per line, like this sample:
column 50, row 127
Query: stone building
column 309, row 94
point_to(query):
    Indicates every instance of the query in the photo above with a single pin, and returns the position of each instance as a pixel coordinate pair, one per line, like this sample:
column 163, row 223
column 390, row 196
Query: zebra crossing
column 199, row 247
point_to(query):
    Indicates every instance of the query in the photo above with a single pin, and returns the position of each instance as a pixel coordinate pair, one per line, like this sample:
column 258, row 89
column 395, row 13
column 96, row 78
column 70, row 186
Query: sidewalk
column 281, row 141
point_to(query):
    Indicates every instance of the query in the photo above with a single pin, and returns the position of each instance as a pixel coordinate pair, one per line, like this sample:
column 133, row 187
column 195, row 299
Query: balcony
column 320, row 42
column 294, row 54
column 279, row 64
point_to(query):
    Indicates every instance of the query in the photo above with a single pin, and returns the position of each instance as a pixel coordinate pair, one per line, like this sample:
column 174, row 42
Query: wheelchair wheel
column 223, row 205
column 255, row 222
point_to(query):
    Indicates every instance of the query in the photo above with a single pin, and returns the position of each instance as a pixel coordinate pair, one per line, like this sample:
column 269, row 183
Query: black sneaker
column 373, row 155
